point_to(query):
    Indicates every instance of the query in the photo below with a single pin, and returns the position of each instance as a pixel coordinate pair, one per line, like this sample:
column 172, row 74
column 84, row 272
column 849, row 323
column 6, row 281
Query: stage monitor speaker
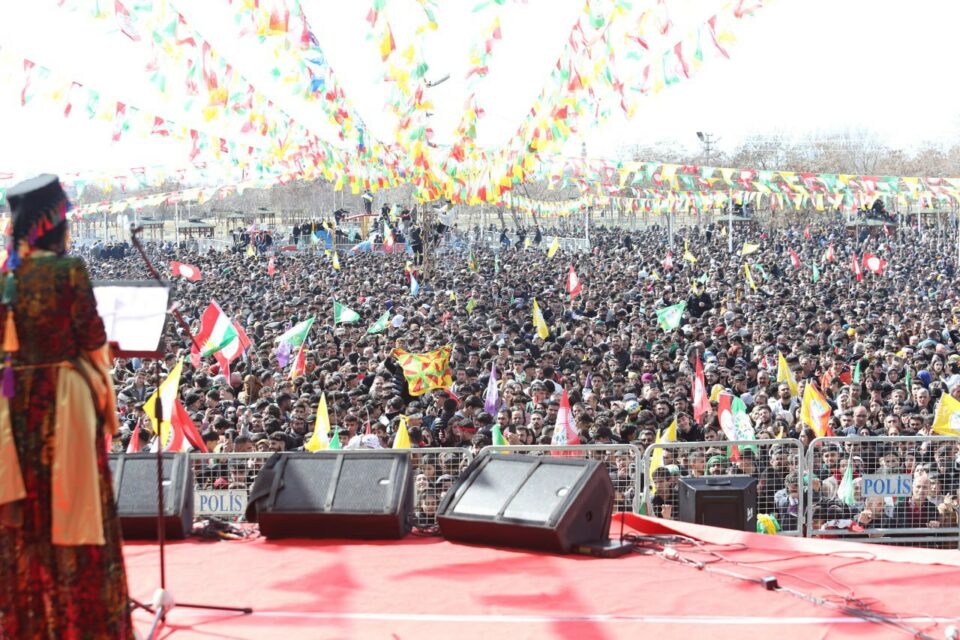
column 333, row 494
column 535, row 502
column 719, row 501
column 135, row 491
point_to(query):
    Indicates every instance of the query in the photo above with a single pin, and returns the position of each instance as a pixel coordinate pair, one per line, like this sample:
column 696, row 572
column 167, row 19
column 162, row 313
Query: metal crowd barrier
column 900, row 490
column 222, row 481
column 772, row 462
column 622, row 460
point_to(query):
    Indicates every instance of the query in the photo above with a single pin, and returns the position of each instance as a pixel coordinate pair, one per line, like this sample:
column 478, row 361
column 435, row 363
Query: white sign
column 211, row 502
column 881, row 485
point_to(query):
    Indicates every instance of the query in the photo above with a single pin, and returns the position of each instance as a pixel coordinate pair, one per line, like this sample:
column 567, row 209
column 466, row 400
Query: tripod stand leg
column 243, row 610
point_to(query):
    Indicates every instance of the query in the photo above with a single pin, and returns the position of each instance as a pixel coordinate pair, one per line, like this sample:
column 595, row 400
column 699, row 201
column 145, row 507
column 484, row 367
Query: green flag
column 845, row 492
column 669, row 317
column 380, row 324
column 343, row 314
column 856, row 373
column 498, row 439
column 295, row 336
column 471, row 303
column 335, row 440
column 816, row 273
column 909, row 384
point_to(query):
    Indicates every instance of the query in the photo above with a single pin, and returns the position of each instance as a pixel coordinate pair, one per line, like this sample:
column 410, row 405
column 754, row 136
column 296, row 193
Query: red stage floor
column 429, row 588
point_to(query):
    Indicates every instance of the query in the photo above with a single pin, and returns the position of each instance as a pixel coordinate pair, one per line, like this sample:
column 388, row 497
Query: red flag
column 271, row 268
column 806, row 232
column 125, row 21
column 701, row 401
column 299, row 363
column 857, row 271
column 184, row 270
column 573, row 284
column 886, row 230
column 795, row 259
column 563, row 431
column 668, row 261
column 134, row 446
column 182, row 423
column 829, row 256
column 876, row 264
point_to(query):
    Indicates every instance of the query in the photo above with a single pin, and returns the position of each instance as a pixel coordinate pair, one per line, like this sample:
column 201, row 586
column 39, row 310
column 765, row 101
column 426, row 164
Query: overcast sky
column 800, row 67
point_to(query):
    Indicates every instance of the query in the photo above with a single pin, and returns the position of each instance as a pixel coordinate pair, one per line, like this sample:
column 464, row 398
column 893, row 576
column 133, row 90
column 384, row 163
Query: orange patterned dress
column 47, row 590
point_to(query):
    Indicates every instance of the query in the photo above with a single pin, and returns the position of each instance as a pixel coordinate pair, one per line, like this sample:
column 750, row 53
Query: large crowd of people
column 882, row 349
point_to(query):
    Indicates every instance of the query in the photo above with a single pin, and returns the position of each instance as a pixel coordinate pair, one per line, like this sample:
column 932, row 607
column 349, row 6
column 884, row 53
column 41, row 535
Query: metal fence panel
column 622, row 460
column 222, row 481
column 772, row 462
column 898, row 490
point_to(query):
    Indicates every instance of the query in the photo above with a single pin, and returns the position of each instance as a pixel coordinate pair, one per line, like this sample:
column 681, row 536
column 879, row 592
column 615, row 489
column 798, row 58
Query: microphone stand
column 163, row 600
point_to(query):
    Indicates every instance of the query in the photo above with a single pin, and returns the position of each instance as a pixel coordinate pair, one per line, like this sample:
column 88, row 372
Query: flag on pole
column 701, row 403
column 184, row 270
column 472, row 262
column 946, row 420
column 876, row 264
column 380, row 324
column 689, row 257
column 414, row 285
column 296, row 335
column 234, row 349
column 829, row 255
column 299, row 364
column 784, row 374
column 343, row 314
column 749, row 276
column 320, row 440
column 216, row 332
column 539, row 323
column 402, row 439
column 670, row 317
column 336, row 261
column 816, row 273
column 554, row 247
column 668, row 261
column 498, row 439
column 845, row 492
column 134, row 445
column 749, row 248
column 573, row 284
column 491, row 397
column 815, row 411
column 166, row 397
column 271, row 267
column 656, row 460
column 806, row 232
column 857, row 271
column 563, row 431
column 795, row 259
column 856, row 374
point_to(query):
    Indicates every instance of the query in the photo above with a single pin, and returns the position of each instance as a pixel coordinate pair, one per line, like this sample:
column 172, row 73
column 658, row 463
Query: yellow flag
column 785, row 375
column 336, row 261
column 402, row 439
column 453, row 296
column 947, row 419
column 656, row 460
column 166, row 394
column 749, row 248
column 319, row 439
column 689, row 257
column 749, row 276
column 526, row 243
column 250, row 251
column 539, row 323
column 716, row 391
column 554, row 247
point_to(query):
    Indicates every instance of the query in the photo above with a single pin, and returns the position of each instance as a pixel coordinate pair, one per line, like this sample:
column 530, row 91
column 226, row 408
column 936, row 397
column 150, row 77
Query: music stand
column 134, row 316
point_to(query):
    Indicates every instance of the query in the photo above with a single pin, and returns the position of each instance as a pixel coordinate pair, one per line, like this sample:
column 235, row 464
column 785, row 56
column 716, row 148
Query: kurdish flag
column 216, row 332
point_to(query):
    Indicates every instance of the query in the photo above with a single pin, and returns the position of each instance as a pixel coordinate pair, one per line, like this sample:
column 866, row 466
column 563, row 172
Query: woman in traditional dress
column 60, row 557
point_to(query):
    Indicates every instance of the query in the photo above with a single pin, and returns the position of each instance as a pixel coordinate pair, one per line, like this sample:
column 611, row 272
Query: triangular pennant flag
column 320, row 440
column 402, row 439
column 554, row 247
column 539, row 323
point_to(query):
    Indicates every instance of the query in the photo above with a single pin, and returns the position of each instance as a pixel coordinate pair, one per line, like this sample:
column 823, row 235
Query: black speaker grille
column 139, row 482
column 547, row 489
column 495, row 483
column 365, row 485
column 306, row 482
